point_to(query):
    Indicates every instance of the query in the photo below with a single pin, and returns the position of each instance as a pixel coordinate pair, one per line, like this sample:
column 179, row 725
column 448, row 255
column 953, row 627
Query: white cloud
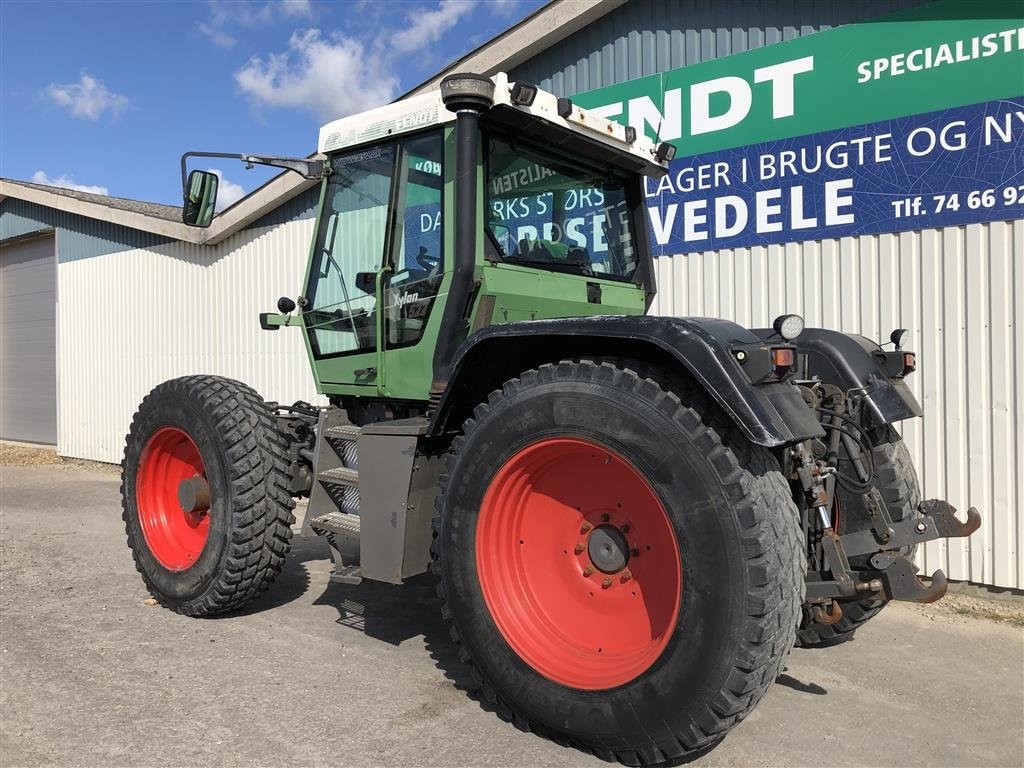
column 427, row 27
column 225, row 16
column 330, row 77
column 228, row 193
column 89, row 98
column 503, row 7
column 65, row 181
column 299, row 8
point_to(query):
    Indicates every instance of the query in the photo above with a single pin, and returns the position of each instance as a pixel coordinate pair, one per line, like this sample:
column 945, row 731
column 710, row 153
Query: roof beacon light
column 523, row 94
column 467, row 91
column 788, row 326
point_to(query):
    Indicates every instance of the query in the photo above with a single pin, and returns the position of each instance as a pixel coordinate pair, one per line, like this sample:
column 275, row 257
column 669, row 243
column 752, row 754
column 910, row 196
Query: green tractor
column 632, row 519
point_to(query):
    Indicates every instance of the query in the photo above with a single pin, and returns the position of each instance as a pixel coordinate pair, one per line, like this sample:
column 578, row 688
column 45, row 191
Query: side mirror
column 366, row 281
column 200, row 198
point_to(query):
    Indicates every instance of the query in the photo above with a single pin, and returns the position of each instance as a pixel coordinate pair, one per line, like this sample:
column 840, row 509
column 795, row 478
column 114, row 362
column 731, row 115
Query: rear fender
column 853, row 362
column 769, row 414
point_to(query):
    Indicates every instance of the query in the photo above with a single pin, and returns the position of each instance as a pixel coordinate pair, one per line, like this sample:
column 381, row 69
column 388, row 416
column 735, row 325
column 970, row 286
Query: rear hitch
column 943, row 515
column 891, row 575
column 902, row 583
column 938, row 521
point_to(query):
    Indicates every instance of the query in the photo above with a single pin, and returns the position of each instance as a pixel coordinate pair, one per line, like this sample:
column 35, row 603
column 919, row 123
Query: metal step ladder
column 334, row 502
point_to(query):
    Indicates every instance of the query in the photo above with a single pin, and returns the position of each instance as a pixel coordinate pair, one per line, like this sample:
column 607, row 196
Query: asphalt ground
column 317, row 673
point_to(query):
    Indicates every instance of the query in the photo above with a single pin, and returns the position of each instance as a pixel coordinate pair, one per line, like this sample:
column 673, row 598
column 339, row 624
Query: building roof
column 168, row 212
column 542, row 29
column 164, row 220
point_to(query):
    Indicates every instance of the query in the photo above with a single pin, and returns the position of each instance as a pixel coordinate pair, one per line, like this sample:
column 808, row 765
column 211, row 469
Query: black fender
column 853, row 362
column 769, row 414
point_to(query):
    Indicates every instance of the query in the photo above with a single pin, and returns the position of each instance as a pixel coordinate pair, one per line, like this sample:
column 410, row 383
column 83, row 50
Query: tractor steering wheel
column 425, row 260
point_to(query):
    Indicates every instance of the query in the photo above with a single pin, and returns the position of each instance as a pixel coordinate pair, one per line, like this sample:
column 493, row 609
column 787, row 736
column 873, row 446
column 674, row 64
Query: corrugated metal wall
column 81, row 237
column 644, row 37
column 132, row 319
column 961, row 289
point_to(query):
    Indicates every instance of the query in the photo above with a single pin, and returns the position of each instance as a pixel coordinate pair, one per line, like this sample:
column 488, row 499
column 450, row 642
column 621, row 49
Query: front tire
column 642, row 669
column 216, row 441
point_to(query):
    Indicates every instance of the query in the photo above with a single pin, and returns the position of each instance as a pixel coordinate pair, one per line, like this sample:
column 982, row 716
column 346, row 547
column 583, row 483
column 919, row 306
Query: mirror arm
column 308, row 169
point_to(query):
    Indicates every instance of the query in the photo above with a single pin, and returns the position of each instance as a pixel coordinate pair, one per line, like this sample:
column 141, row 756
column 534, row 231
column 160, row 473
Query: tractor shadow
column 395, row 614
column 788, row 681
column 294, row 580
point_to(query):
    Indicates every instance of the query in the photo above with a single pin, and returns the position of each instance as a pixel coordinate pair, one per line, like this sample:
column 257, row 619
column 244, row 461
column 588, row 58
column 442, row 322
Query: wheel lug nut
column 605, row 518
column 634, row 552
column 606, row 583
column 624, row 528
column 626, row 576
column 585, row 528
column 588, row 570
column 579, row 549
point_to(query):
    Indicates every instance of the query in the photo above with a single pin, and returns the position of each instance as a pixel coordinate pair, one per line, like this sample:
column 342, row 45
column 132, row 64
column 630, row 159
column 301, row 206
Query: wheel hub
column 608, row 549
column 194, row 494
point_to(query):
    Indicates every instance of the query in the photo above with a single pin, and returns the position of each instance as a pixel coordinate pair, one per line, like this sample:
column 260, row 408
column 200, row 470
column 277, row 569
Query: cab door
column 341, row 302
column 414, row 282
column 377, row 269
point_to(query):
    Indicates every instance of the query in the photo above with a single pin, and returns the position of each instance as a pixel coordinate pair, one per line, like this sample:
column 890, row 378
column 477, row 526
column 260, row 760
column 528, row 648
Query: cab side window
column 417, row 257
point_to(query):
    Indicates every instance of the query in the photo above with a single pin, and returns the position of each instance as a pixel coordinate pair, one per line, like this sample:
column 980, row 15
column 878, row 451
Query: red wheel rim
column 174, row 536
column 550, row 518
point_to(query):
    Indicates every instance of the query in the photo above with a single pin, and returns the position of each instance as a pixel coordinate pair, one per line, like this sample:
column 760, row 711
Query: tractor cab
column 485, row 202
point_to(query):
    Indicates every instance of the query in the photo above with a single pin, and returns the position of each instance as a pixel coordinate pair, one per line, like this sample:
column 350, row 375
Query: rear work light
column 666, row 152
column 523, row 94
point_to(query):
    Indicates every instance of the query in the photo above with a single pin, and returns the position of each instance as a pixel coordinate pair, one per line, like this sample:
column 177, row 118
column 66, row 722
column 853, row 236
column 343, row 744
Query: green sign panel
column 947, row 54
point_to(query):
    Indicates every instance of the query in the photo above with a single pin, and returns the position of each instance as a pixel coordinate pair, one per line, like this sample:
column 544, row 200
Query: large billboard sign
column 911, row 121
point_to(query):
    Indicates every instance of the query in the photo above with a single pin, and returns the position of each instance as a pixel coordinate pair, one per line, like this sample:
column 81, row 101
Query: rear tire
column 718, row 636
column 896, row 480
column 213, row 561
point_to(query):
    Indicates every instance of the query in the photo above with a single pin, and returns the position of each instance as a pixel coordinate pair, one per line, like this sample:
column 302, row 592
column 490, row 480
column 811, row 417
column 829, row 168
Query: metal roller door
column 28, row 341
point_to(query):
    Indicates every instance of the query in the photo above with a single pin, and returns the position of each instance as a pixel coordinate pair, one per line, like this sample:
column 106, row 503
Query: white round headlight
column 788, row 326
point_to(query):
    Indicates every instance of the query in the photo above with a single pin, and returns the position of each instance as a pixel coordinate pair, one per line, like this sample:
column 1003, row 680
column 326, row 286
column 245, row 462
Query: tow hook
column 902, row 583
column 938, row 521
column 826, row 615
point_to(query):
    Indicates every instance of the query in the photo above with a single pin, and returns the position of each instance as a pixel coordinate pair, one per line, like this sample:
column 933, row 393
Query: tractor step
column 340, row 476
column 347, row 574
column 337, row 522
column 344, row 432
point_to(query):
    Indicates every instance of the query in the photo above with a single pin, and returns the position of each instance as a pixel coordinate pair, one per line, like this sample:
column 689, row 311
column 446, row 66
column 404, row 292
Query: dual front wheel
column 204, row 491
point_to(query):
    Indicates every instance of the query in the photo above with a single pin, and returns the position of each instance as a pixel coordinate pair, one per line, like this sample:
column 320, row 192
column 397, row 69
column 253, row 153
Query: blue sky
column 106, row 96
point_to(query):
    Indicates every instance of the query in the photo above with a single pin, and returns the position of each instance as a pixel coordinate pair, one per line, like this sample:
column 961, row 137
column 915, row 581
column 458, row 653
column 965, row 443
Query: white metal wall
column 130, row 320
column 960, row 290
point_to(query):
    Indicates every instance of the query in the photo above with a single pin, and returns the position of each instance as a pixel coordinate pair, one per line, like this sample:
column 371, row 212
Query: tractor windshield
column 547, row 212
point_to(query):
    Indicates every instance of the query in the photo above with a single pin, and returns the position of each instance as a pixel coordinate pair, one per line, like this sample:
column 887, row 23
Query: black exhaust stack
column 468, row 96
